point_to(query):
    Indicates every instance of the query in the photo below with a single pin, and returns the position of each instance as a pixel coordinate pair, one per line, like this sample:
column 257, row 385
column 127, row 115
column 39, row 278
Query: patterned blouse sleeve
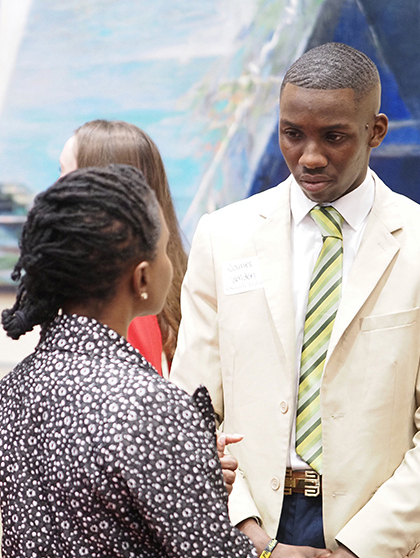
column 170, row 466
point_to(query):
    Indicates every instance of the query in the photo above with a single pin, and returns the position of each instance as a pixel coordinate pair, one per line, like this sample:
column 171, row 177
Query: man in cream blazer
column 239, row 330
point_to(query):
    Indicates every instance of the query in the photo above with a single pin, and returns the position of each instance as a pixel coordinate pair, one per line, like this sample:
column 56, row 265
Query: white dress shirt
column 306, row 246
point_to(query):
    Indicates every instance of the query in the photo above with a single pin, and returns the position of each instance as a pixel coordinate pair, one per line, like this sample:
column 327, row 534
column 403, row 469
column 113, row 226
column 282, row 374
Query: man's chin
column 319, row 192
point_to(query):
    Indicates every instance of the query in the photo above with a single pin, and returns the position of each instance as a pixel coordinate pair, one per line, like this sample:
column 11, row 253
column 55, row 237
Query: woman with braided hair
column 100, row 456
column 41, row 295
column 99, row 143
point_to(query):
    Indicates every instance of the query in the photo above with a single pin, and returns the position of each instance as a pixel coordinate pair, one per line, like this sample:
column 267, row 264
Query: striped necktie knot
column 329, row 221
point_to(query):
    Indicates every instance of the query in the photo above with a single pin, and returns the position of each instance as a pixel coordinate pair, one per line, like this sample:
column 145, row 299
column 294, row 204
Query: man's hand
column 260, row 539
column 228, row 462
column 342, row 552
column 289, row 551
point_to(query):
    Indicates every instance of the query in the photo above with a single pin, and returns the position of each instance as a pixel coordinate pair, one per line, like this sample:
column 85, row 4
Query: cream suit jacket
column 242, row 347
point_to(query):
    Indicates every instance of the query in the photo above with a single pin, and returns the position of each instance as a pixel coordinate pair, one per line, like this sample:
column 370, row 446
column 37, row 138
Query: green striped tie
column 323, row 300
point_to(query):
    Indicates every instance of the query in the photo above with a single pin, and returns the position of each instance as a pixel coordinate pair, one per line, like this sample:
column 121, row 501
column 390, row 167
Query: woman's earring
column 144, row 296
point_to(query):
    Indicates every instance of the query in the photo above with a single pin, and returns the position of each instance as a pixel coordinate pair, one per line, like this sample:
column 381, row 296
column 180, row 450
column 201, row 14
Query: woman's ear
column 141, row 280
column 379, row 130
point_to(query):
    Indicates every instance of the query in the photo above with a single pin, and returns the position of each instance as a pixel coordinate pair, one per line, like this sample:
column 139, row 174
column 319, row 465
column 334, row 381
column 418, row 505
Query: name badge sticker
column 240, row 276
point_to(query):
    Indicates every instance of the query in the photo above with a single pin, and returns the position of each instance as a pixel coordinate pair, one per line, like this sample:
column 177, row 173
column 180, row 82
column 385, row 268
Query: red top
column 144, row 334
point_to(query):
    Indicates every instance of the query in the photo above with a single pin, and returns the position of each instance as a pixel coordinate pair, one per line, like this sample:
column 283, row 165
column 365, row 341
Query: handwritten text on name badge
column 240, row 276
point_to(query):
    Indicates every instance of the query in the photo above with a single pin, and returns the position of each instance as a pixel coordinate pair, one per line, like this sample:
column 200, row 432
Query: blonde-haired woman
column 99, row 143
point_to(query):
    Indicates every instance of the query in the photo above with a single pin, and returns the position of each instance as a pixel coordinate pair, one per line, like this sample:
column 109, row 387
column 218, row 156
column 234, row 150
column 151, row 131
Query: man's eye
column 335, row 138
column 293, row 134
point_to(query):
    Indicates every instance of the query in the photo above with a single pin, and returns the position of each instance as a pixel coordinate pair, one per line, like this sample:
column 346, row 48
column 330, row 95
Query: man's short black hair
column 334, row 66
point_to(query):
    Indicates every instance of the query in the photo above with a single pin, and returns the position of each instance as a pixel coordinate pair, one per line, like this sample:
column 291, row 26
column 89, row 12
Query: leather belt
column 307, row 482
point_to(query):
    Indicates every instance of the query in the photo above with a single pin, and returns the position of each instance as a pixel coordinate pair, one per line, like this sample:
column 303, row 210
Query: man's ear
column 141, row 279
column 379, row 130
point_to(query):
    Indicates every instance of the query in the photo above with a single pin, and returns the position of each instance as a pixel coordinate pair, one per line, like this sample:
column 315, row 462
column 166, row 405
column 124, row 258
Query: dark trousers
column 301, row 521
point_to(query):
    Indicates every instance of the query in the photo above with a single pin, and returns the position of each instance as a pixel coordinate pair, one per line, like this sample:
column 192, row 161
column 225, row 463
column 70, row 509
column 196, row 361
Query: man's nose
column 312, row 156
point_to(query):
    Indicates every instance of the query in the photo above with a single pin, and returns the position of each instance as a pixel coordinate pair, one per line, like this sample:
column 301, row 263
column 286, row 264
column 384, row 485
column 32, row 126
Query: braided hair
column 334, row 66
column 81, row 235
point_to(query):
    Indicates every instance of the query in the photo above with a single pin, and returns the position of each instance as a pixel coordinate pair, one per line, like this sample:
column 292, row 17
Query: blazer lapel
column 377, row 250
column 273, row 246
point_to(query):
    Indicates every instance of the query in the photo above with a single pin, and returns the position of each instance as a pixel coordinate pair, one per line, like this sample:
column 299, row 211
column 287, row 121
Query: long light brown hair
column 101, row 142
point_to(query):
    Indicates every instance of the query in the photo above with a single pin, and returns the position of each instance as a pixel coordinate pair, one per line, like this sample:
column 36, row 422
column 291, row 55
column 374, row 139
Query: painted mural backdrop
column 201, row 77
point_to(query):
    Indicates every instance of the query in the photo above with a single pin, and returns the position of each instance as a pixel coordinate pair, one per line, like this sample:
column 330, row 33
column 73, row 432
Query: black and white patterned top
column 101, row 457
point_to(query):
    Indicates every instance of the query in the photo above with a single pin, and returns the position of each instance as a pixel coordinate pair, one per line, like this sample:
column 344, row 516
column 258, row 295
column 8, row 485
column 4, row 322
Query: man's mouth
column 314, row 183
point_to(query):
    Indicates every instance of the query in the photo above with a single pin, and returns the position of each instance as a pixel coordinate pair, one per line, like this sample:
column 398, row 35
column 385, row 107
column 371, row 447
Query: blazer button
column 275, row 483
column 284, row 407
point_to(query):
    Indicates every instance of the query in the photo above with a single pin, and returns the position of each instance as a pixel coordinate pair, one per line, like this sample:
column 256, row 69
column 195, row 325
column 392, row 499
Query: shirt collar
column 354, row 206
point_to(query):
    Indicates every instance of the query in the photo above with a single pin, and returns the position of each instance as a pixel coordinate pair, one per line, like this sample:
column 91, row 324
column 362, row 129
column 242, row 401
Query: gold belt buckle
column 288, row 483
column 312, row 484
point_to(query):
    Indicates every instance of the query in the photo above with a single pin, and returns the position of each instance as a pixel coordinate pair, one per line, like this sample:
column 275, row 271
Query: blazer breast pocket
column 388, row 354
column 387, row 321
